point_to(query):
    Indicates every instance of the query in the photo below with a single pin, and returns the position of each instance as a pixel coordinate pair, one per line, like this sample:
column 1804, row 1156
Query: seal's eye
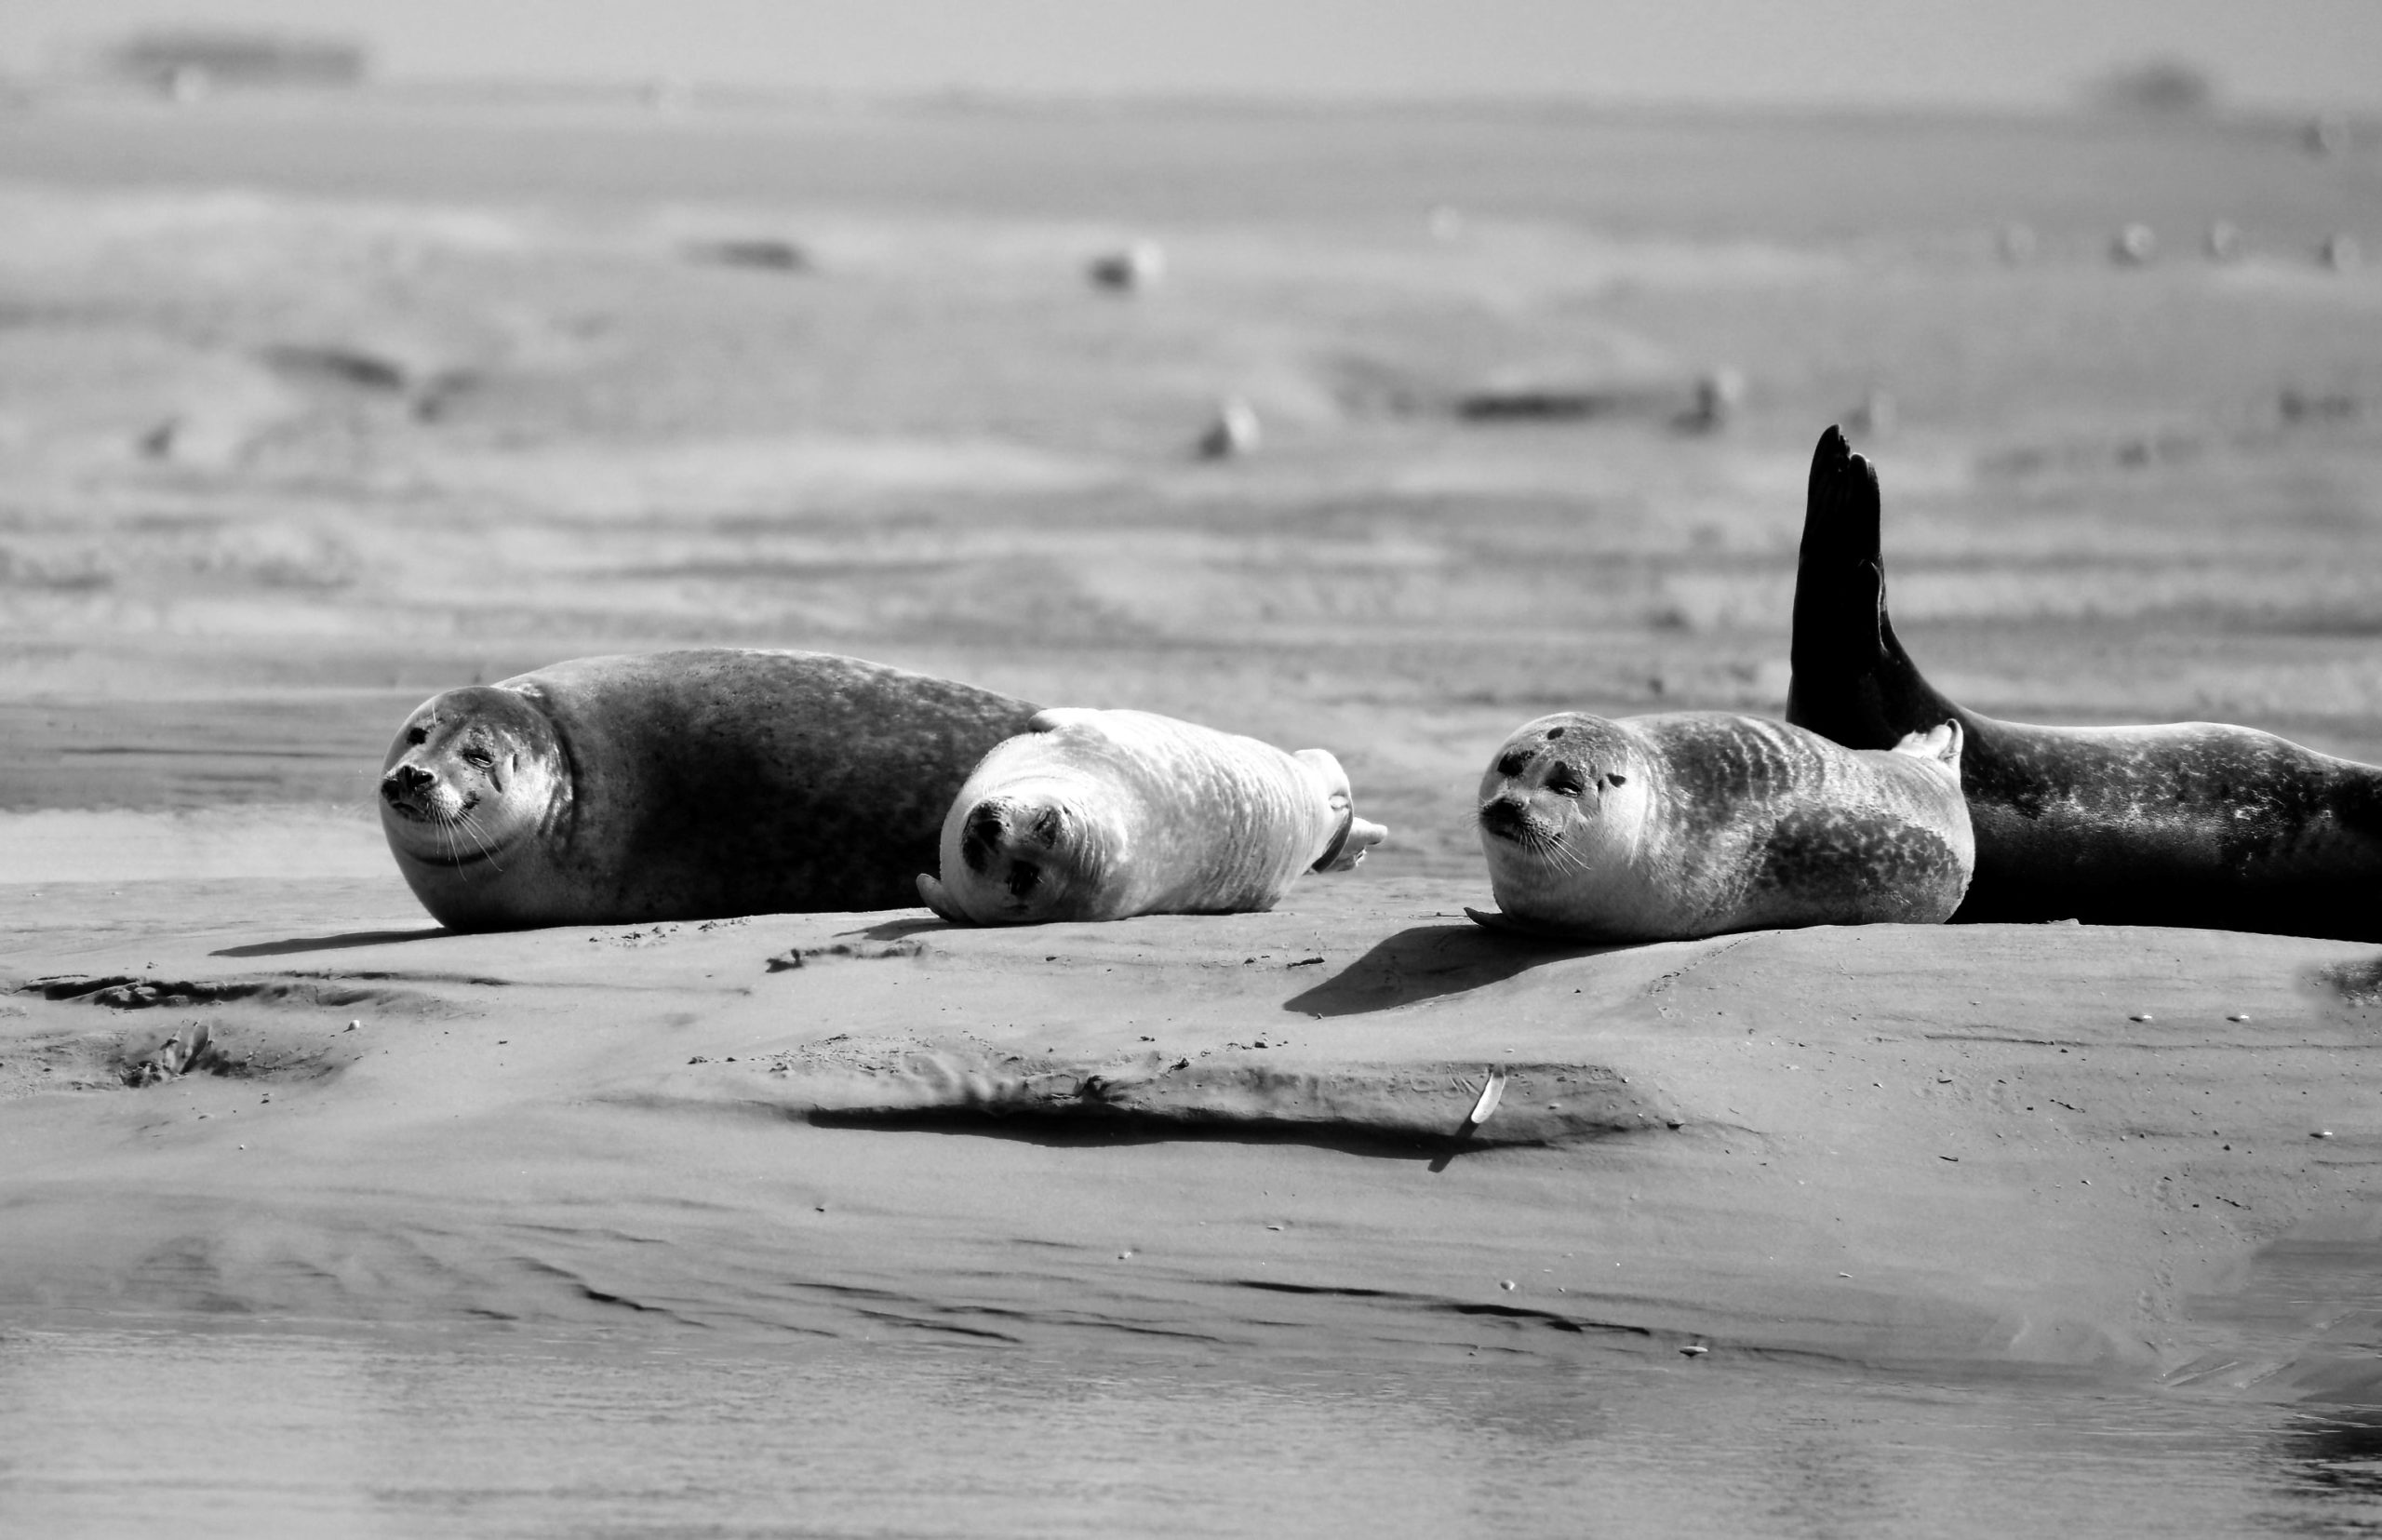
column 478, row 755
column 1564, row 782
column 1513, row 762
column 1047, row 827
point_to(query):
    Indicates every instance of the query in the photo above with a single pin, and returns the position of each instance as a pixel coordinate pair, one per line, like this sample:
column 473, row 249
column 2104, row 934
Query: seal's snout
column 404, row 786
column 987, row 832
column 1507, row 815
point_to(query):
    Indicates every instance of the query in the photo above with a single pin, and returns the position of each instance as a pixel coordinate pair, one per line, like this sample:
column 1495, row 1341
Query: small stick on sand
column 1491, row 1094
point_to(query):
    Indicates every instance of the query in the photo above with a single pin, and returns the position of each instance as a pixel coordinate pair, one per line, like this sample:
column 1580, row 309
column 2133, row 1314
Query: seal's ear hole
column 1616, row 780
column 1553, row 733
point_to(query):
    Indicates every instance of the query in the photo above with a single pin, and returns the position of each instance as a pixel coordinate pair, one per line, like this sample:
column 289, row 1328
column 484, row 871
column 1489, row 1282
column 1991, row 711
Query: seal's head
column 1563, row 802
column 473, row 775
column 1031, row 853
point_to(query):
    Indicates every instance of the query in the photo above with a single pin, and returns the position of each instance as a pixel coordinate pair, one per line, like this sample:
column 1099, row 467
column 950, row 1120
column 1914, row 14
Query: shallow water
column 249, row 1432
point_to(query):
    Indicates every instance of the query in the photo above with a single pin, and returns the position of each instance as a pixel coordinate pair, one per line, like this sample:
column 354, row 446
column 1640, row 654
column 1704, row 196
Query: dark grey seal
column 682, row 785
column 2190, row 824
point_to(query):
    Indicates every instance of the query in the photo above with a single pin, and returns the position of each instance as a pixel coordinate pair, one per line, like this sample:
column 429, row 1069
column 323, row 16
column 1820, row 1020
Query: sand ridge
column 1971, row 1146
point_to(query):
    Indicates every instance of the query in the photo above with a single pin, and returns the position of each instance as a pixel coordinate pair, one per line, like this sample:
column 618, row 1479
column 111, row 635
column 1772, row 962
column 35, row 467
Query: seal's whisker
column 470, row 826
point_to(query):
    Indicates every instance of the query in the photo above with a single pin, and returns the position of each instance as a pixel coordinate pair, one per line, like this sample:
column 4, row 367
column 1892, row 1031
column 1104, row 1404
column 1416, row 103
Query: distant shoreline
column 665, row 95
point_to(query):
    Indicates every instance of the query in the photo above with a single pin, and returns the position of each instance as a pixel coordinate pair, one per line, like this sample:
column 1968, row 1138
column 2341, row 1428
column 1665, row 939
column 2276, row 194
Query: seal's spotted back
column 1687, row 824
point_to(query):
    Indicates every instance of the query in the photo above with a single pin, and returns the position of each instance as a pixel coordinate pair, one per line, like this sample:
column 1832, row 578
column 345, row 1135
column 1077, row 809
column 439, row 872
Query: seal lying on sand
column 1663, row 828
column 681, row 785
column 1105, row 815
column 2190, row 824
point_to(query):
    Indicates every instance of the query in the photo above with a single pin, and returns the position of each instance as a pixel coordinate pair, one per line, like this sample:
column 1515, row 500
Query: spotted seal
column 1103, row 814
column 681, row 785
column 1691, row 824
column 2190, row 824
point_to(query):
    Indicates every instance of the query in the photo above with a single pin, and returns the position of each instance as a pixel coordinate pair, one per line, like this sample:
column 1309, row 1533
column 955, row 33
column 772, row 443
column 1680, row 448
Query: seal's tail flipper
column 1357, row 835
column 1940, row 746
column 1852, row 682
column 1839, row 576
column 1351, row 835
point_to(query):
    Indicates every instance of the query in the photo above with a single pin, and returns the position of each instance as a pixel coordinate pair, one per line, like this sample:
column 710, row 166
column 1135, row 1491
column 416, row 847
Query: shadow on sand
column 1426, row 961
column 1074, row 1129
column 328, row 944
column 900, row 930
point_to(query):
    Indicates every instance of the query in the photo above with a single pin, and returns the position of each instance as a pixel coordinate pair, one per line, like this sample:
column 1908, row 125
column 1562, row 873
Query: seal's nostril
column 1503, row 814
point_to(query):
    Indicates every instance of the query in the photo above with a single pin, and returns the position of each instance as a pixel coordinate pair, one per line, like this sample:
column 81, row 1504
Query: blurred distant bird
column 2224, row 241
column 1140, row 265
column 1234, row 432
column 2135, row 246
column 1719, row 393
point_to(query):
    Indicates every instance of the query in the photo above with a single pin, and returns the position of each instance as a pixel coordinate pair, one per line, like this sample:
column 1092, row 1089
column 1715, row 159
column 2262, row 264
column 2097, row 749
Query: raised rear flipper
column 1852, row 682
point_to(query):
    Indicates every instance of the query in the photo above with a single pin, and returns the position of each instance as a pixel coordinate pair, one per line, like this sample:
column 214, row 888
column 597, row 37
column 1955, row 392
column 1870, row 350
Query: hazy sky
column 2012, row 52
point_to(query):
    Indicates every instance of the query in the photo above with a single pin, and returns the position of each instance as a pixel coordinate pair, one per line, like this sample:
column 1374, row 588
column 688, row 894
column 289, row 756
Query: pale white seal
column 1691, row 824
column 1102, row 814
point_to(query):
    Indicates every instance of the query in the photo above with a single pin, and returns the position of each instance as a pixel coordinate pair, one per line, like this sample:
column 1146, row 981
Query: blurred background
column 1372, row 375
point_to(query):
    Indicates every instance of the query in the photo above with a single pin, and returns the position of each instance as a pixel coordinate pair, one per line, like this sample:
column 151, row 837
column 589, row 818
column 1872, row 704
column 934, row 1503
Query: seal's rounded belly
column 1097, row 816
column 1667, row 828
column 681, row 785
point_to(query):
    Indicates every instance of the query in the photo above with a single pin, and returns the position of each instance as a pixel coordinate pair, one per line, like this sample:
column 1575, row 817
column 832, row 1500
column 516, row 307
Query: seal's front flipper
column 938, row 898
column 1852, row 682
column 1507, row 923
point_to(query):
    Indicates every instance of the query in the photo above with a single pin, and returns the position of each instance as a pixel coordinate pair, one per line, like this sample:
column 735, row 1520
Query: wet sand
column 293, row 439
